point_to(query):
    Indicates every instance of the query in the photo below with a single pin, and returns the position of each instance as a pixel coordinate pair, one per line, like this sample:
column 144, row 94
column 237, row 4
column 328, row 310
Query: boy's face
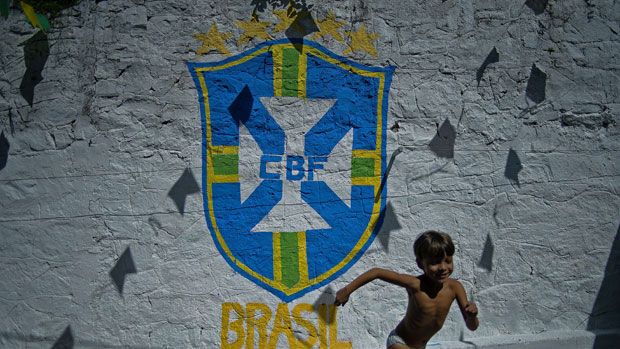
column 437, row 269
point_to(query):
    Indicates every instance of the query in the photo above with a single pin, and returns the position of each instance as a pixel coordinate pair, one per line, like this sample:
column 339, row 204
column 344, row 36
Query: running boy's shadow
column 605, row 313
column 462, row 339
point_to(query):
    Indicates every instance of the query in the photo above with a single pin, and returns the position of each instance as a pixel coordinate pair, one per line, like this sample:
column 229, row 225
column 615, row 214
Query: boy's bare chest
column 425, row 315
column 436, row 307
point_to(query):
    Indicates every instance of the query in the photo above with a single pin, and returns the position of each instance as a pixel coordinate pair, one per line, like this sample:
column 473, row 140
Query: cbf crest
column 293, row 158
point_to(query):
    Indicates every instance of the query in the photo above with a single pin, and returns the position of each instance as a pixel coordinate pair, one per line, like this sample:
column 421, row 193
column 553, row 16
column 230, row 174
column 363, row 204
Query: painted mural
column 292, row 205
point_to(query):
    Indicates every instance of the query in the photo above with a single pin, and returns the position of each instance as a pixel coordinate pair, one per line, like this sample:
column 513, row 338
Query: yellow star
column 213, row 40
column 361, row 41
column 285, row 20
column 252, row 29
column 329, row 26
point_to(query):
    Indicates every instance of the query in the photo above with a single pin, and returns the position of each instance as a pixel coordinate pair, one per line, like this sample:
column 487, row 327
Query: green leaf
column 43, row 22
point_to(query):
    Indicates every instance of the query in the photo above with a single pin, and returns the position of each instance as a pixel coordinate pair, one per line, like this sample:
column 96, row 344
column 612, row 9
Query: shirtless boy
column 430, row 294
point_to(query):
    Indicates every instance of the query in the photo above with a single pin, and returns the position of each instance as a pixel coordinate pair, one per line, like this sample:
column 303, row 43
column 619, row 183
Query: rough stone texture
column 115, row 123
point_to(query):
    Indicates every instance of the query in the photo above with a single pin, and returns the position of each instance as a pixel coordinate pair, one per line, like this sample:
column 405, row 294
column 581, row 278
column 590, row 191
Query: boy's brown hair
column 432, row 245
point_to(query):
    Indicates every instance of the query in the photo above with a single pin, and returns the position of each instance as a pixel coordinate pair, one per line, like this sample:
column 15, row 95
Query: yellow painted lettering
column 282, row 325
column 333, row 331
column 236, row 326
column 309, row 326
column 258, row 322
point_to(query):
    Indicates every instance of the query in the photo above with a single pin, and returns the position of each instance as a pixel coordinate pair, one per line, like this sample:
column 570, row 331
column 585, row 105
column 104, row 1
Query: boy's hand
column 471, row 310
column 342, row 296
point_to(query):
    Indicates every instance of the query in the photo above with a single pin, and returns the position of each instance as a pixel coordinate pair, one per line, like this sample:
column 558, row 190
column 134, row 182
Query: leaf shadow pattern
column 492, row 57
column 36, row 52
column 184, row 186
column 292, row 5
column 125, row 265
column 486, row 260
column 53, row 7
column 605, row 314
column 4, row 150
column 538, row 6
column 443, row 142
column 302, row 25
column 513, row 167
column 65, row 341
column 536, row 85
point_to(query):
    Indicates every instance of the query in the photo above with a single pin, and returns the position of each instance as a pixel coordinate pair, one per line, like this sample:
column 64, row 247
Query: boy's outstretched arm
column 468, row 308
column 342, row 296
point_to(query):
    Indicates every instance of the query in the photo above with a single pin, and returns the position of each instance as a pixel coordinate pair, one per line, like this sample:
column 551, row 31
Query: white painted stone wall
column 115, row 123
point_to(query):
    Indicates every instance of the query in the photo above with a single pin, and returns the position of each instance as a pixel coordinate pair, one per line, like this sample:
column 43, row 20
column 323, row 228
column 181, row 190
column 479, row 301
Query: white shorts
column 393, row 338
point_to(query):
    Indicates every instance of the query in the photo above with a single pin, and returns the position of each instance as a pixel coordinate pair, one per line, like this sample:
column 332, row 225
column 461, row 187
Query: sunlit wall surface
column 196, row 174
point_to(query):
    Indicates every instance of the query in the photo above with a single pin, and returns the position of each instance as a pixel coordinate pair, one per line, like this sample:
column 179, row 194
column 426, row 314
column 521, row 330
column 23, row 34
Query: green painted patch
column 362, row 167
column 290, row 71
column 226, row 164
column 290, row 258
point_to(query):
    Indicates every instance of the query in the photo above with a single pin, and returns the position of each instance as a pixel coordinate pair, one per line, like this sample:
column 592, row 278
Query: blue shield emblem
column 293, row 158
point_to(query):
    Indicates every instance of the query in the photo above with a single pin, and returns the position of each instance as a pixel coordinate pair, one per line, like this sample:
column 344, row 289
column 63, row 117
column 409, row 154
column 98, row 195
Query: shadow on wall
column 302, row 22
column 65, row 341
column 605, row 313
column 125, row 265
column 261, row 5
column 492, row 57
column 322, row 303
column 390, row 224
column 536, row 85
column 538, row 6
column 513, row 167
column 486, row 260
column 186, row 185
column 302, row 25
column 443, row 142
column 36, row 52
column 52, row 6
column 4, row 150
column 241, row 107
column 387, row 173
